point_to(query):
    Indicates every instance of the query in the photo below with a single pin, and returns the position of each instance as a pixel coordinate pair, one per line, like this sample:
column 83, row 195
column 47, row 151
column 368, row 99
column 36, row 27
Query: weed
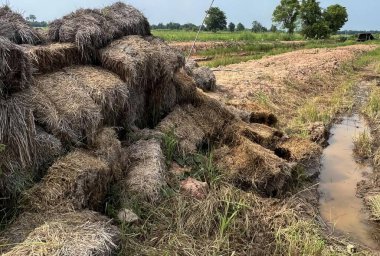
column 372, row 109
column 170, row 145
column 363, row 145
column 374, row 202
column 299, row 238
column 376, row 158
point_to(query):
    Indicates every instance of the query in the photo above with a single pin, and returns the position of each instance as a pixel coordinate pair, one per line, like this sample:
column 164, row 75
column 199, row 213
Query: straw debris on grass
column 146, row 171
column 73, row 234
column 75, row 182
column 15, row 68
column 14, row 27
column 374, row 203
column 52, row 57
column 92, row 29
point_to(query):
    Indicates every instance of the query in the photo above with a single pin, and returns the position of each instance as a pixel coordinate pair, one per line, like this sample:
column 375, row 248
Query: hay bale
column 78, row 233
column 204, row 78
column 15, row 68
column 186, row 89
column 106, row 89
column 64, row 108
column 75, row 182
column 147, row 66
column 48, row 149
column 52, row 57
column 305, row 153
column 14, row 27
column 257, row 113
column 108, row 147
column 264, row 135
column 251, row 166
column 190, row 66
column 92, row 29
column 145, row 173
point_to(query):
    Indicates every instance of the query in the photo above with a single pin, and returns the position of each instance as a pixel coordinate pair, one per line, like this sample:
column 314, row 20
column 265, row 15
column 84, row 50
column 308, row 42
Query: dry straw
column 91, row 29
column 15, row 28
column 75, row 182
column 145, row 172
column 52, row 57
column 74, row 234
column 15, row 68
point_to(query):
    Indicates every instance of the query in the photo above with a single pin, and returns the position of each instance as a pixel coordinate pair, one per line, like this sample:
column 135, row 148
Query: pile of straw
column 145, row 172
column 15, row 28
column 203, row 76
column 72, row 234
column 64, row 108
column 75, row 182
column 15, row 68
column 52, row 57
column 148, row 67
column 92, row 29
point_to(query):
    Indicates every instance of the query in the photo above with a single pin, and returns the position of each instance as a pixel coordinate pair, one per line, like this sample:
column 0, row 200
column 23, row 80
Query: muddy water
column 339, row 206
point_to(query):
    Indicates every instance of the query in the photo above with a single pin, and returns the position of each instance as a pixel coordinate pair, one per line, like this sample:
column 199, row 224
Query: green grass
column 186, row 36
column 363, row 145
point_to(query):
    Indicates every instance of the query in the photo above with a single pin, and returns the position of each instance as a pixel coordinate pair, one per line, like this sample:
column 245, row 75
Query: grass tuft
column 374, row 202
column 363, row 145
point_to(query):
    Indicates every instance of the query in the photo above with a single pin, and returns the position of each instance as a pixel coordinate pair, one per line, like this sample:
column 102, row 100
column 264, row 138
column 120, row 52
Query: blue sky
column 363, row 14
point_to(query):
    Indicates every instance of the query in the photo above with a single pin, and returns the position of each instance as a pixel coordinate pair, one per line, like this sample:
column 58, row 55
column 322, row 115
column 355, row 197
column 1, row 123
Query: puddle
column 340, row 173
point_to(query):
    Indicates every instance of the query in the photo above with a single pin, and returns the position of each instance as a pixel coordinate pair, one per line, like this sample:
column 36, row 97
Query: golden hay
column 64, row 108
column 75, row 182
column 15, row 68
column 73, row 234
column 15, row 28
column 52, row 57
column 251, row 166
column 145, row 173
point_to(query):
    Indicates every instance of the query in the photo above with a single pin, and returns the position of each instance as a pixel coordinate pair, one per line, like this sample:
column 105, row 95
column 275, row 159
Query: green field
column 185, row 36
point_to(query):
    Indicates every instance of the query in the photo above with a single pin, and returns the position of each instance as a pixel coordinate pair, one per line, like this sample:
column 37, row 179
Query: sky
column 363, row 14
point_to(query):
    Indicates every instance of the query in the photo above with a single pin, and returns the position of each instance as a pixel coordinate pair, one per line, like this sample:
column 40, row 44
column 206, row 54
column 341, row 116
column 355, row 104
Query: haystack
column 190, row 66
column 145, row 173
column 252, row 167
column 14, row 27
column 92, row 29
column 15, row 68
column 52, row 57
column 64, row 108
column 73, row 234
column 148, row 66
column 75, row 182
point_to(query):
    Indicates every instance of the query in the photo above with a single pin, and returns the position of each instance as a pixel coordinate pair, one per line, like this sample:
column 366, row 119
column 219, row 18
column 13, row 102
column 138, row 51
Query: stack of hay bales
column 15, row 28
column 93, row 29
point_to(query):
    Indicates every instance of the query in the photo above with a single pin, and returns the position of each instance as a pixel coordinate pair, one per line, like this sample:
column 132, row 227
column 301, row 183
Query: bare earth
column 286, row 77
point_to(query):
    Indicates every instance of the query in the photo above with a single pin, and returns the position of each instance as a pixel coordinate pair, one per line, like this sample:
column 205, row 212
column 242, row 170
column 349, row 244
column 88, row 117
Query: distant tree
column 161, row 26
column 313, row 23
column 173, row 25
column 31, row 18
column 257, row 27
column 216, row 19
column 336, row 16
column 189, row 26
column 240, row 27
column 286, row 14
column 231, row 27
column 273, row 29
